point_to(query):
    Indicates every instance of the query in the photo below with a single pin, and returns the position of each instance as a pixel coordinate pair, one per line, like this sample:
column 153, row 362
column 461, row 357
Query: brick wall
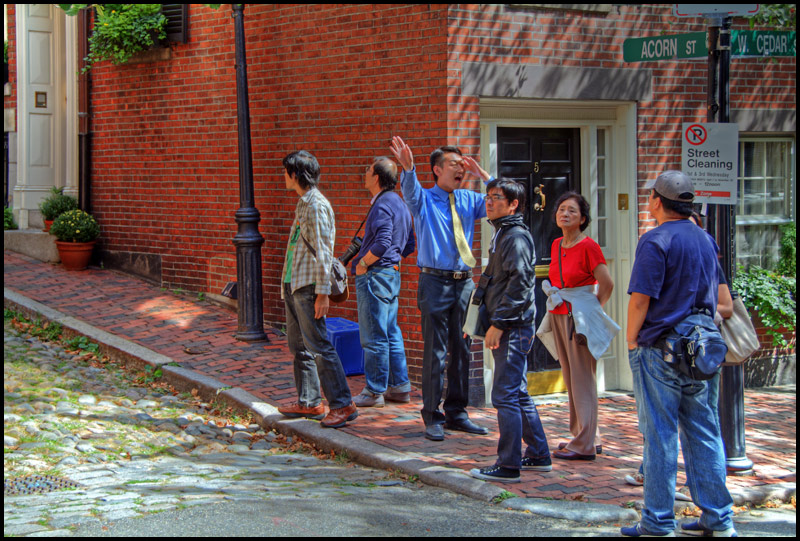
column 338, row 82
column 496, row 33
column 10, row 101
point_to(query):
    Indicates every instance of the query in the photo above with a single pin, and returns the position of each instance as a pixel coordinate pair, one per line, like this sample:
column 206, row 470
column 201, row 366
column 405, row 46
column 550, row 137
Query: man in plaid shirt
column 305, row 289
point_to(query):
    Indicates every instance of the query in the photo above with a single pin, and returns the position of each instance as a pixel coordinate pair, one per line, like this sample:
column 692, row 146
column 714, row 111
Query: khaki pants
column 579, row 369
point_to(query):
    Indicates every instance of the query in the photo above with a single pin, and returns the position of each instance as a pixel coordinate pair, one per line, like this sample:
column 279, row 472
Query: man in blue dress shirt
column 445, row 280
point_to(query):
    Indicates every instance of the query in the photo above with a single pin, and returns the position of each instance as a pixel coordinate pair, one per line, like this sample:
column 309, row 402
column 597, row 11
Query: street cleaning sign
column 710, row 156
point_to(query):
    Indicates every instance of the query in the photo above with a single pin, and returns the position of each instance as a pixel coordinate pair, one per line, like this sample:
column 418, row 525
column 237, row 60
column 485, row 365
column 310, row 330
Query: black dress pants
column 443, row 304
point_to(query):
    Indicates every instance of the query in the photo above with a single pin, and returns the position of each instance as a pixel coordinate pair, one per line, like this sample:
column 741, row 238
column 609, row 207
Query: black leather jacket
column 509, row 295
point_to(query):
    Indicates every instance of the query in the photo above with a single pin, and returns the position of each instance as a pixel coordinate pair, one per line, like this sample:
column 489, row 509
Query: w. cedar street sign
column 693, row 45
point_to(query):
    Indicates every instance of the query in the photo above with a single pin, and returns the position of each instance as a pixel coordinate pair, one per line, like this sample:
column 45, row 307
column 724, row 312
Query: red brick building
column 541, row 94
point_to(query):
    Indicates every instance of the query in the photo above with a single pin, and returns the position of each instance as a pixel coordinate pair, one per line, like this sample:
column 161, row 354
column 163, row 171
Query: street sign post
column 710, row 155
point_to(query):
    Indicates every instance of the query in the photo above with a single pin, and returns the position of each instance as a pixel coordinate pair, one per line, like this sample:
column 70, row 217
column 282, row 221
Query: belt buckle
column 459, row 275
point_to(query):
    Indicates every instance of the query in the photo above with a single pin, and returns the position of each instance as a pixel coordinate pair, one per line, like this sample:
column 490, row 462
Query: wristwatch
column 363, row 263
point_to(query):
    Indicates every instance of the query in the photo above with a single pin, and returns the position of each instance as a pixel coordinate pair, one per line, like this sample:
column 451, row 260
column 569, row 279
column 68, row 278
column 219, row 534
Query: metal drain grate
column 36, row 484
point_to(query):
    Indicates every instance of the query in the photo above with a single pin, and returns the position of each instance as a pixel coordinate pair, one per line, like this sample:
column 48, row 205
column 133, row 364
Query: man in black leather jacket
column 509, row 313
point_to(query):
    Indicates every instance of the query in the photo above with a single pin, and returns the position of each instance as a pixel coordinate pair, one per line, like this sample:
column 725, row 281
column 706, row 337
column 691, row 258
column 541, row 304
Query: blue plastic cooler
column 343, row 334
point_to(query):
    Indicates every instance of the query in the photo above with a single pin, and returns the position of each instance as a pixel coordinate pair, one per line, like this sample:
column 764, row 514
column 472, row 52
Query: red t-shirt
column 578, row 264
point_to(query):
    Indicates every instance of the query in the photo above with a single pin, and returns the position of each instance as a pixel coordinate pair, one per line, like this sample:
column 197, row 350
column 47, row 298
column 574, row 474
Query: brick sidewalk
column 199, row 335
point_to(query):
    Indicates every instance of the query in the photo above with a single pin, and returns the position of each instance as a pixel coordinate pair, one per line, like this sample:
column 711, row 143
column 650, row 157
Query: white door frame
column 619, row 121
column 46, row 107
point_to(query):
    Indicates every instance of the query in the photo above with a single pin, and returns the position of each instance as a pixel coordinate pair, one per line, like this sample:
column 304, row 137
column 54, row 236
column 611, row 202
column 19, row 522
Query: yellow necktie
column 458, row 231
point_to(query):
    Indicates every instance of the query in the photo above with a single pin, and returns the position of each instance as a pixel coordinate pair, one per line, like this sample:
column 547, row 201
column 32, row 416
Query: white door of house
column 41, row 94
column 605, row 175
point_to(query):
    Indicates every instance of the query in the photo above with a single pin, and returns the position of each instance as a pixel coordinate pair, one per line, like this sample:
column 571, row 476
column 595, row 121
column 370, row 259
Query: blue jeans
column 384, row 351
column 316, row 362
column 666, row 401
column 517, row 417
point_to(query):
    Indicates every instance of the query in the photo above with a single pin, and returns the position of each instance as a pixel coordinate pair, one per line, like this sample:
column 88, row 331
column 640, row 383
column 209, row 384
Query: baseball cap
column 674, row 185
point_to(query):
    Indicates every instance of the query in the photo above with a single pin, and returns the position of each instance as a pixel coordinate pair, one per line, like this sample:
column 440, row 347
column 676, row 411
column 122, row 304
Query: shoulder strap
column 369, row 211
column 308, row 245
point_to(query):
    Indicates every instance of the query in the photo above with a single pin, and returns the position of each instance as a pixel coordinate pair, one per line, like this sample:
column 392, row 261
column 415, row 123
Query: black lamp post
column 248, row 240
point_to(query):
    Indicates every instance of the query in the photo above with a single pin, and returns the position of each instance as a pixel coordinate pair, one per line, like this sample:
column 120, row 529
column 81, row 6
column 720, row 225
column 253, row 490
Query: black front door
column 547, row 161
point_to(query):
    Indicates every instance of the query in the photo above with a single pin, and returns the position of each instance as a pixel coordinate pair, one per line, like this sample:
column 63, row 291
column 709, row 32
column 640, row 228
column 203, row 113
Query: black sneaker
column 496, row 473
column 537, row 464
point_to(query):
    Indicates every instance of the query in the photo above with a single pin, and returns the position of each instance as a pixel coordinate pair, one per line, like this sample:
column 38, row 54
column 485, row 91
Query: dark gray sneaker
column 537, row 464
column 496, row 473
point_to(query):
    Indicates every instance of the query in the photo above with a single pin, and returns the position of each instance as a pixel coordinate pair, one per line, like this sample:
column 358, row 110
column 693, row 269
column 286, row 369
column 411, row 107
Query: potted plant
column 77, row 233
column 56, row 204
column 121, row 30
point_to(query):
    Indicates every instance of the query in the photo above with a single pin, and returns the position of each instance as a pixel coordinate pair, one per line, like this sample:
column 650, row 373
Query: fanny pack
column 695, row 346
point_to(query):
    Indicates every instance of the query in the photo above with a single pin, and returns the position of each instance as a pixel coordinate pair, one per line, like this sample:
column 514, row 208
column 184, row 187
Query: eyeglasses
column 494, row 197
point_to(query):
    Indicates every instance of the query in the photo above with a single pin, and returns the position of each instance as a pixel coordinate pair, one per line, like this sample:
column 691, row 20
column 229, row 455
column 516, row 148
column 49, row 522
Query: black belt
column 455, row 275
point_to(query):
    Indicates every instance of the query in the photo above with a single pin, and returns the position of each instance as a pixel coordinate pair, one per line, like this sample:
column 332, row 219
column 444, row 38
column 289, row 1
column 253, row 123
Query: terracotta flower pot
column 47, row 224
column 75, row 256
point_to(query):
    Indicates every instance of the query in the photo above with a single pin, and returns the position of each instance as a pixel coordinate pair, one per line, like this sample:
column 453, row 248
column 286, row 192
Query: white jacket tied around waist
column 587, row 313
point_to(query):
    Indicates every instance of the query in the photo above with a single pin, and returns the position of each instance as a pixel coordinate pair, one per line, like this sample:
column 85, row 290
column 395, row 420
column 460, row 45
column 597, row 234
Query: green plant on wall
column 773, row 296
column 121, row 30
column 787, row 264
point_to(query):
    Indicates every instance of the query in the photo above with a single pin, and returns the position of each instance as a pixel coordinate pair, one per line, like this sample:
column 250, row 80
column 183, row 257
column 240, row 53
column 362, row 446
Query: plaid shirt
column 314, row 215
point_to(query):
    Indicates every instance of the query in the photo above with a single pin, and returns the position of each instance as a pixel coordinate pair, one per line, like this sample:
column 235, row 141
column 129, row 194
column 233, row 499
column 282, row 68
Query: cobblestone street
column 135, row 449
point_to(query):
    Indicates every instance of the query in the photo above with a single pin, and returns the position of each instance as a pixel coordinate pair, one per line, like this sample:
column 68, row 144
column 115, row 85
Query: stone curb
column 362, row 451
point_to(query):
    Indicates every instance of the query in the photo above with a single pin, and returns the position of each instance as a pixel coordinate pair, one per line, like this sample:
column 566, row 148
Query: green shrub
column 122, row 30
column 787, row 264
column 8, row 219
column 75, row 226
column 57, row 204
column 772, row 295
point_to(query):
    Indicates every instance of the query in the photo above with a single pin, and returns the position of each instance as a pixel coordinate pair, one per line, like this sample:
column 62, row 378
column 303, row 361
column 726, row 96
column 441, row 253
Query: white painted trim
column 622, row 229
column 72, row 124
column 26, row 196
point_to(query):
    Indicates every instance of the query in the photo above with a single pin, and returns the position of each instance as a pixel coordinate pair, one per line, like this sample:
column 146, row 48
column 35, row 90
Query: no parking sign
column 710, row 157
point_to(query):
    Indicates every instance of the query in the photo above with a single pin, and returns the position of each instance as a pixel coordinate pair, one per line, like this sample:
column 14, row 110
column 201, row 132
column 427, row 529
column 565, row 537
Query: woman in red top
column 580, row 261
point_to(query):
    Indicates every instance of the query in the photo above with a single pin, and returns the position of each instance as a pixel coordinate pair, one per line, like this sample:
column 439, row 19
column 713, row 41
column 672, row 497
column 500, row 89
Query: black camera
column 352, row 250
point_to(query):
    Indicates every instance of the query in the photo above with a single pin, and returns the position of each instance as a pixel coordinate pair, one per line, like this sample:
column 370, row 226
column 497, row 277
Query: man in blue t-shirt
column 674, row 273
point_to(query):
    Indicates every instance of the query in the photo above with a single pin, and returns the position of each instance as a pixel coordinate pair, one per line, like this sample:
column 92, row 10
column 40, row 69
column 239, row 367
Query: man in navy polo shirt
column 674, row 275
column 388, row 237
column 444, row 240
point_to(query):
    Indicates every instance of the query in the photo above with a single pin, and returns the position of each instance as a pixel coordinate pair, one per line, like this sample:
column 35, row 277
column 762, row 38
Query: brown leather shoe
column 297, row 409
column 338, row 417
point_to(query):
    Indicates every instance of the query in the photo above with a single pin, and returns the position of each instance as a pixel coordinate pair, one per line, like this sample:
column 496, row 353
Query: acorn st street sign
column 672, row 47
column 693, row 45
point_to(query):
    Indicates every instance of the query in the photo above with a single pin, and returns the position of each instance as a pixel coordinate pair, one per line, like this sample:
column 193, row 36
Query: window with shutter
column 177, row 22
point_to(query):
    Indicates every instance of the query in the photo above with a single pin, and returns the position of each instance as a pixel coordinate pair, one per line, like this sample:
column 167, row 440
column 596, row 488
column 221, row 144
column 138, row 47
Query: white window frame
column 763, row 255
